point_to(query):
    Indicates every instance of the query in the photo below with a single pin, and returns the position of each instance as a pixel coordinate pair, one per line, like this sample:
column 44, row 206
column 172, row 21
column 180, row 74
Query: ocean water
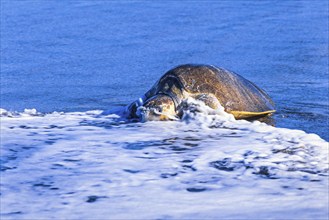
column 65, row 154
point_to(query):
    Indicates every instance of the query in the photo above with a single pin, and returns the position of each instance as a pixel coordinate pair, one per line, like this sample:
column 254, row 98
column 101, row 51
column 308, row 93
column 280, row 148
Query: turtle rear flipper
column 212, row 101
column 245, row 114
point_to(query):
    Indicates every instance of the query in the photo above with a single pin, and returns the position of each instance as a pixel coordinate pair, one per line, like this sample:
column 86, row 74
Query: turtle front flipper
column 209, row 99
column 131, row 109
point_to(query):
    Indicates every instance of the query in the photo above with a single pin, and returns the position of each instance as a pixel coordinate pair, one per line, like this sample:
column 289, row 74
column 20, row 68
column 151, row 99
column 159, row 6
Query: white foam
column 90, row 165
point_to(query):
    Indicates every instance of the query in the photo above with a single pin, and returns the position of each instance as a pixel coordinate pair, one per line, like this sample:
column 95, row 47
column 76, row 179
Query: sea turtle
column 212, row 85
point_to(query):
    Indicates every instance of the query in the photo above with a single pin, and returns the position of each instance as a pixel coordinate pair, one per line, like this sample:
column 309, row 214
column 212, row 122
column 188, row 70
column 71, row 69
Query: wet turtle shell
column 236, row 94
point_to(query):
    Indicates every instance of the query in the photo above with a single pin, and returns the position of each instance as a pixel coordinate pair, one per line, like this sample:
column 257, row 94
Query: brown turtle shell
column 236, row 94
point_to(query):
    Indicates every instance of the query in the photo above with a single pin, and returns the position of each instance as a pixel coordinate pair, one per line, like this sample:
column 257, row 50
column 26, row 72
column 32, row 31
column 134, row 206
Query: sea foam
column 207, row 165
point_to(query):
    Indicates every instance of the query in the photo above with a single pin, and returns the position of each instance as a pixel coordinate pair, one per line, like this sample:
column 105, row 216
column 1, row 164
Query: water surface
column 86, row 55
column 71, row 60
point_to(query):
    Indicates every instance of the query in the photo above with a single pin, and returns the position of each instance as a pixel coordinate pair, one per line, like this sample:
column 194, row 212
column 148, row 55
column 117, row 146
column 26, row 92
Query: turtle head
column 158, row 108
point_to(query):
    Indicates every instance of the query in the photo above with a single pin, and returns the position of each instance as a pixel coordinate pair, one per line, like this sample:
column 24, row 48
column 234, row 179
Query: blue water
column 72, row 59
column 83, row 55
